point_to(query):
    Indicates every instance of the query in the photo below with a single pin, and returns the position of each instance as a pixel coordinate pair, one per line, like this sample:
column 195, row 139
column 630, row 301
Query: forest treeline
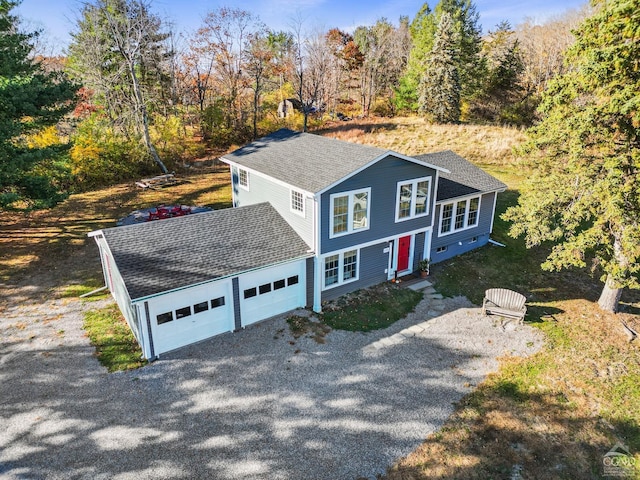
column 132, row 96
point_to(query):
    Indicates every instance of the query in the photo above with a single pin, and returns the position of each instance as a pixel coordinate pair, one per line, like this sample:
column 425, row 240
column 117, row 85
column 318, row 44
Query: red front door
column 404, row 246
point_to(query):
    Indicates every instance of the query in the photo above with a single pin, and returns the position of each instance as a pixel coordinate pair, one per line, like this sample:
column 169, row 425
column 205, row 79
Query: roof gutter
column 471, row 195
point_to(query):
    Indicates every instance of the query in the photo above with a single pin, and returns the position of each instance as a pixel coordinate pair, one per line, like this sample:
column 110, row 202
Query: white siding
column 262, row 189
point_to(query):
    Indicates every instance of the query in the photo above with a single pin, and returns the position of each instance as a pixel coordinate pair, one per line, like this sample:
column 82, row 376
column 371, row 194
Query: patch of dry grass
column 414, row 136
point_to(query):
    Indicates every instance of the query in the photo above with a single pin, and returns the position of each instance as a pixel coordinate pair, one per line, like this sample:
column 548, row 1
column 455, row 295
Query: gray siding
column 452, row 241
column 418, row 249
column 237, row 317
column 455, row 249
column 310, row 279
column 152, row 352
column 262, row 189
column 373, row 263
column 382, row 178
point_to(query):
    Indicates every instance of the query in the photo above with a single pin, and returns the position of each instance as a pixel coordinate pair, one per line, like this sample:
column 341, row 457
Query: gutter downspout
column 317, row 282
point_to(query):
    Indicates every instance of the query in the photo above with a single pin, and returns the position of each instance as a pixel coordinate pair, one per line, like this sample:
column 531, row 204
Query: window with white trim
column 459, row 215
column 474, row 207
column 349, row 265
column 331, row 269
column 413, row 198
column 340, row 268
column 349, row 212
column 461, row 212
column 297, row 202
column 243, row 178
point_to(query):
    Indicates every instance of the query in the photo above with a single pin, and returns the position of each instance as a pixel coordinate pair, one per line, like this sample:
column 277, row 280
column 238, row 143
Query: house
column 313, row 219
column 287, row 107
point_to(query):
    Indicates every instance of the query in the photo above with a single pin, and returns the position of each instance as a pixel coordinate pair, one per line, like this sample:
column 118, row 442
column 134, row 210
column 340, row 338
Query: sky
column 58, row 17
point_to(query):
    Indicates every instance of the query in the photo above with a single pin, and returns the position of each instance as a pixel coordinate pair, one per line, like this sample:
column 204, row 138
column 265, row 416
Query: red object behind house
column 159, row 213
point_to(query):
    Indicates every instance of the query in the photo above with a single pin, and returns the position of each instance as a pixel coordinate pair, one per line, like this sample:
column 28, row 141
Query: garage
column 182, row 280
column 180, row 318
column 271, row 291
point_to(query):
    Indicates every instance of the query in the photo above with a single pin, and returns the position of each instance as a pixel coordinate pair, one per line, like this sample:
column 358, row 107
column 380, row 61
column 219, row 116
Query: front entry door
column 404, row 248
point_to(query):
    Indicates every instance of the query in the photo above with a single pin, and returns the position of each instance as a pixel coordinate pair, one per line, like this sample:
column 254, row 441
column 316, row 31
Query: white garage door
column 272, row 291
column 191, row 315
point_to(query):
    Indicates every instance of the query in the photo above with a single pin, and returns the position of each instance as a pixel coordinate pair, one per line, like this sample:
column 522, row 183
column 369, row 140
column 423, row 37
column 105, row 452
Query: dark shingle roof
column 167, row 254
column 464, row 177
column 307, row 161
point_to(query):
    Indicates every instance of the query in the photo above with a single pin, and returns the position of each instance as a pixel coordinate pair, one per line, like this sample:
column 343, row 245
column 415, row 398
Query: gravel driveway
column 256, row 404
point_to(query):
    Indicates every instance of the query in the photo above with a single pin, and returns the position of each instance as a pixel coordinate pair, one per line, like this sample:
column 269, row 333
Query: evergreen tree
column 584, row 193
column 468, row 45
column 422, row 30
column 500, row 93
column 440, row 85
column 30, row 100
column 466, row 21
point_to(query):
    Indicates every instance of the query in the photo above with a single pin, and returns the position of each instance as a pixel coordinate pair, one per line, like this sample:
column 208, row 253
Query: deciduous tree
column 118, row 51
column 259, row 62
column 385, row 49
column 543, row 46
column 312, row 58
column 584, row 192
column 225, row 38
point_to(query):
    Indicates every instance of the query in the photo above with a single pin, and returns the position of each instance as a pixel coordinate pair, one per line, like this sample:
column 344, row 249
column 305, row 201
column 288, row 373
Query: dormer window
column 349, row 212
column 413, row 198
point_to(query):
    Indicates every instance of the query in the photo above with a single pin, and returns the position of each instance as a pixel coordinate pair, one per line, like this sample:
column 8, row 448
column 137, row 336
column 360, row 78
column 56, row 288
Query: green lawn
column 116, row 347
column 370, row 309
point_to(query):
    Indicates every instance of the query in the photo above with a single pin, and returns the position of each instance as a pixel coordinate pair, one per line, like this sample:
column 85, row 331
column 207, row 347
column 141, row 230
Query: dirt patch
column 309, row 326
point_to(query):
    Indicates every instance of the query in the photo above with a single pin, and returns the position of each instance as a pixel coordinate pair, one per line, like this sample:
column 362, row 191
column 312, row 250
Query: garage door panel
column 272, row 291
column 191, row 315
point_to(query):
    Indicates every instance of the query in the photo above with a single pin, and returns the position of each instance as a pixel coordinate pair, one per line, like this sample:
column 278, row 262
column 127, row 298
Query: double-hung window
column 413, row 198
column 243, row 178
column 297, row 202
column 349, row 212
column 340, row 268
column 459, row 215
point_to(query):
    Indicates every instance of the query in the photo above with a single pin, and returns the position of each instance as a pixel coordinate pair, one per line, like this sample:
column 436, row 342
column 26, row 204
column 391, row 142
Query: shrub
column 100, row 157
column 174, row 141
